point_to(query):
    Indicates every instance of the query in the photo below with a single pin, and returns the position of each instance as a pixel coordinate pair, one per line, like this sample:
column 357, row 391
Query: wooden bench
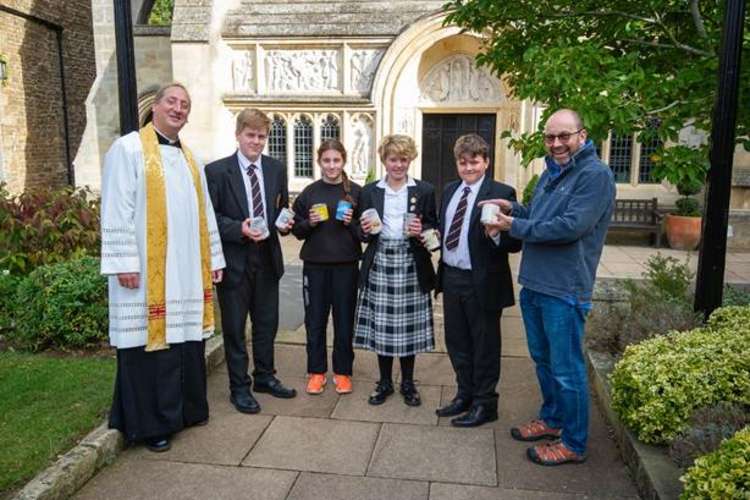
column 638, row 215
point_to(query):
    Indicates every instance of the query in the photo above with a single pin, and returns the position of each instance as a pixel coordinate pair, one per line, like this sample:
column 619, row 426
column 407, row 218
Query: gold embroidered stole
column 156, row 241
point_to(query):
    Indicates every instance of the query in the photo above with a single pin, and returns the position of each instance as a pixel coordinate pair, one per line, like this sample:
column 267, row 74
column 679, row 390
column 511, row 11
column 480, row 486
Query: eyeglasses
column 563, row 136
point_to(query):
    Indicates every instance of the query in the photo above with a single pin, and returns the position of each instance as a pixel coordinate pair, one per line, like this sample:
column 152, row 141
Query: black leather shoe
column 476, row 416
column 456, row 407
column 245, row 403
column 275, row 388
column 158, row 444
column 383, row 389
column 409, row 392
column 202, row 423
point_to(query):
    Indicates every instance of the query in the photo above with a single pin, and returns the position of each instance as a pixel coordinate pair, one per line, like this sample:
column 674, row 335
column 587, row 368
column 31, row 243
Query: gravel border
column 97, row 450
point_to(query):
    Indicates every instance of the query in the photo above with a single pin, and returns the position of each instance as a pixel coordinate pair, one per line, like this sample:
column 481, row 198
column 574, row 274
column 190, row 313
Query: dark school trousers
column 472, row 336
column 258, row 295
column 326, row 287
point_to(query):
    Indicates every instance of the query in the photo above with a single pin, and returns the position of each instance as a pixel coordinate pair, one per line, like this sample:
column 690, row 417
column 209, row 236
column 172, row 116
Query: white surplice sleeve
column 217, row 254
column 119, row 191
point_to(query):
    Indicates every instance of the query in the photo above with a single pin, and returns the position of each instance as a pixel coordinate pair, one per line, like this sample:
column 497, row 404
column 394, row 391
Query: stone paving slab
column 291, row 361
column 445, row 491
column 518, row 390
column 601, row 475
column 333, row 487
column 434, row 369
column 315, row 445
column 426, row 453
column 355, row 407
column 130, row 478
column 225, row 440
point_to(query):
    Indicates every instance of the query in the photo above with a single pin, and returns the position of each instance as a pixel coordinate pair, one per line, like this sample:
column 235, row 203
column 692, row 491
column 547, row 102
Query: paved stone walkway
column 332, row 447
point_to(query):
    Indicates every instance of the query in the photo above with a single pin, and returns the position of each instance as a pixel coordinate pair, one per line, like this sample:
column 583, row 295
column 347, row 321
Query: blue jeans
column 554, row 333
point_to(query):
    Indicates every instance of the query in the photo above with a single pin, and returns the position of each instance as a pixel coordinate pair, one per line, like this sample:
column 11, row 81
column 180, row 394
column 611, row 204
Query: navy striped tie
column 257, row 199
column 454, row 232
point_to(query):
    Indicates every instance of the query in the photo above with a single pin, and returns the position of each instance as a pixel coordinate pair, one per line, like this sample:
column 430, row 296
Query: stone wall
column 32, row 123
column 153, row 61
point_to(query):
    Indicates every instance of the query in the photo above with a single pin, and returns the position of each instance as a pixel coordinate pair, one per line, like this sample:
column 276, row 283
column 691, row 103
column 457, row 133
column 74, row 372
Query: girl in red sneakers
column 325, row 218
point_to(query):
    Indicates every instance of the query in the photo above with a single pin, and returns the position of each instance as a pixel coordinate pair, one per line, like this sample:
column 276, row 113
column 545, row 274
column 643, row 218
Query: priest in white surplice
column 162, row 253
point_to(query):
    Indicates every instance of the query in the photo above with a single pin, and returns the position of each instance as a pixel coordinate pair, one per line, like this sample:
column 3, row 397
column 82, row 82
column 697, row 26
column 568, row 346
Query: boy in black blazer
column 248, row 186
column 475, row 278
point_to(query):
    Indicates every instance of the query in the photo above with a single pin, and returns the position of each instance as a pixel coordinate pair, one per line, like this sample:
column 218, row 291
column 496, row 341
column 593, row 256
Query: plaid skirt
column 394, row 315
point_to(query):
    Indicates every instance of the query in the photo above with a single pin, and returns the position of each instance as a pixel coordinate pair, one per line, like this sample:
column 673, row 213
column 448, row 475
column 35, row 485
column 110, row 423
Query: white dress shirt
column 244, row 164
column 460, row 257
column 395, row 206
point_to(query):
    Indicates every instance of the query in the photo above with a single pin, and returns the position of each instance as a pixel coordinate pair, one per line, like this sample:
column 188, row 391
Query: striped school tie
column 257, row 199
column 454, row 232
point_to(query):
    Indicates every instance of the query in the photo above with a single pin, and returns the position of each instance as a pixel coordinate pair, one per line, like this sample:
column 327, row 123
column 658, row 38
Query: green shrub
column 659, row 303
column 668, row 277
column 724, row 473
column 8, row 285
column 688, row 207
column 45, row 226
column 659, row 383
column 161, row 13
column 61, row 306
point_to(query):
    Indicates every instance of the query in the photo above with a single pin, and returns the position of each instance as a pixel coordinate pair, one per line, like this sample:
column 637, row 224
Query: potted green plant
column 685, row 168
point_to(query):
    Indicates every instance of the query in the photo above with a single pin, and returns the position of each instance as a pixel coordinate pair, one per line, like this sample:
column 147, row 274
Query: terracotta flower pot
column 683, row 233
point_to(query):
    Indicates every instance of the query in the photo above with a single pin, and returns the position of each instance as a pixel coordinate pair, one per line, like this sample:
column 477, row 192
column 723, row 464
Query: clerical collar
column 166, row 141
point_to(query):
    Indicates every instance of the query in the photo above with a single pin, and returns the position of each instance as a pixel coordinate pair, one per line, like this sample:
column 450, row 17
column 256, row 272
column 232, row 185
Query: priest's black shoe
column 456, row 407
column 410, row 393
column 245, row 402
column 275, row 388
column 158, row 444
column 477, row 415
column 383, row 389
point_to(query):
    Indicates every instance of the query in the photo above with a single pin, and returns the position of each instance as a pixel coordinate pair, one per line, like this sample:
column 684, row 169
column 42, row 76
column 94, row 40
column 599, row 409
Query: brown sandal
column 534, row 431
column 554, row 454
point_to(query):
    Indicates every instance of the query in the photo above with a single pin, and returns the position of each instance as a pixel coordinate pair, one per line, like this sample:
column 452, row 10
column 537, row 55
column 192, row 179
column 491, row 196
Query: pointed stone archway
column 429, row 69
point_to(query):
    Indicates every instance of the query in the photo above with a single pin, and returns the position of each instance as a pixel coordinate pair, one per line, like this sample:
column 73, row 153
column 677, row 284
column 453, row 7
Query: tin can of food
column 341, row 209
column 375, row 224
column 259, row 224
column 322, row 210
column 408, row 218
column 431, row 239
column 489, row 213
column 285, row 215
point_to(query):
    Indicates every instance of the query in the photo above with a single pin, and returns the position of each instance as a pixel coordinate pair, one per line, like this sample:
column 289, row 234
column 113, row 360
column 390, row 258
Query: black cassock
column 159, row 393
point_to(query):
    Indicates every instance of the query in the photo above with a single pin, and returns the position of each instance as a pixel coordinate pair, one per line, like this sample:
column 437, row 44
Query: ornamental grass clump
column 725, row 473
column 659, row 383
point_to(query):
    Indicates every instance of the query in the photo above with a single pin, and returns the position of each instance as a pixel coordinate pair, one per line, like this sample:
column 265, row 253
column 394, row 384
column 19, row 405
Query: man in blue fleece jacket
column 563, row 230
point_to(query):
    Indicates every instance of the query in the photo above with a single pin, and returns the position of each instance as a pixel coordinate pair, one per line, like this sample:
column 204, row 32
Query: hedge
column 659, row 383
column 725, row 473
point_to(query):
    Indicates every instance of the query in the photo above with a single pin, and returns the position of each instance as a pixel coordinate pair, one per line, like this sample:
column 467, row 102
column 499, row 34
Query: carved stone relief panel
column 404, row 122
column 364, row 62
column 363, row 134
column 243, row 74
column 457, row 79
column 302, row 70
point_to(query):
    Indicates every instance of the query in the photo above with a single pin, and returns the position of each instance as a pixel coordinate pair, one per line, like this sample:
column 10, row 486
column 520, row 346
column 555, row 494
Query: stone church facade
column 356, row 70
